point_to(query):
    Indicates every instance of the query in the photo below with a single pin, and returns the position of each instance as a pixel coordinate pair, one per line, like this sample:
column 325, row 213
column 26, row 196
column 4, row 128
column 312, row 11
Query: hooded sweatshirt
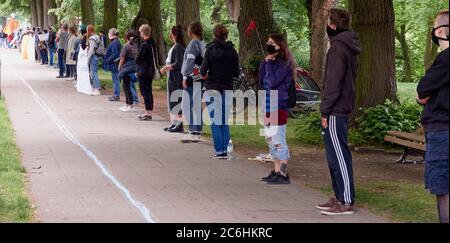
column 221, row 64
column 338, row 96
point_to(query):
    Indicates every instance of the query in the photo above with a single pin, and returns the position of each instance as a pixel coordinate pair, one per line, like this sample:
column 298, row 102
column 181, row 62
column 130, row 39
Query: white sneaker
column 126, row 109
column 96, row 92
column 188, row 138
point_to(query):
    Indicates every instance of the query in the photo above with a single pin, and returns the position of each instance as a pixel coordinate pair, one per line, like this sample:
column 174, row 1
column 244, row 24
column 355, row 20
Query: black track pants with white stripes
column 340, row 158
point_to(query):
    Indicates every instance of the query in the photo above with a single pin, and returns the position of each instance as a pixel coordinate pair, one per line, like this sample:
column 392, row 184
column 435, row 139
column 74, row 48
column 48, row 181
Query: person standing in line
column 220, row 66
column 128, row 68
column 146, row 61
column 94, row 44
column 70, row 53
column 192, row 97
column 62, row 39
column 276, row 74
column 433, row 92
column 338, row 102
column 51, row 45
column 112, row 60
column 173, row 66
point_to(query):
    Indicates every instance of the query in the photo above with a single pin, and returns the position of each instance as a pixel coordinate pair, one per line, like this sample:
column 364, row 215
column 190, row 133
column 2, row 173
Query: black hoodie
column 221, row 64
column 435, row 85
column 338, row 96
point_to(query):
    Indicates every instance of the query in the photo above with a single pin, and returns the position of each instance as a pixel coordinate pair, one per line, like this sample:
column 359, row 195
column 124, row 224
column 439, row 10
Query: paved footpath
column 87, row 162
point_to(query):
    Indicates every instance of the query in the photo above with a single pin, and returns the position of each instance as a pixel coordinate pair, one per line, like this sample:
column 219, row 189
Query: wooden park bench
column 414, row 144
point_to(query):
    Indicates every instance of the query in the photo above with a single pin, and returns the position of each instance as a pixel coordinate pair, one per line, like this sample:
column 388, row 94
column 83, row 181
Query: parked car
column 308, row 95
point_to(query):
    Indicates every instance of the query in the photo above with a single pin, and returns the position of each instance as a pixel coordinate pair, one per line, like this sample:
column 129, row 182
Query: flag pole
column 260, row 40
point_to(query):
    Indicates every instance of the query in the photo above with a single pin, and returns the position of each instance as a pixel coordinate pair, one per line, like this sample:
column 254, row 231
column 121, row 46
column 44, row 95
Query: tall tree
column 259, row 11
column 188, row 11
column 40, row 13
column 431, row 49
column 52, row 19
column 87, row 12
column 318, row 15
column 374, row 21
column 400, row 35
column 46, row 7
column 110, row 18
column 150, row 13
column 34, row 13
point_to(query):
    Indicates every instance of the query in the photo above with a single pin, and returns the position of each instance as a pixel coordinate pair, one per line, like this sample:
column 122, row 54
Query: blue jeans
column 134, row 92
column 44, row 56
column 219, row 112
column 192, row 108
column 52, row 56
column 61, row 62
column 116, row 83
column 436, row 171
column 93, row 65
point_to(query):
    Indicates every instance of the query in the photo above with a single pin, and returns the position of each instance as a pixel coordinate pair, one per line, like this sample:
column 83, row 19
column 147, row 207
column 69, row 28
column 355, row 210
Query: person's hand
column 271, row 57
column 423, row 101
column 325, row 123
column 185, row 84
column 163, row 70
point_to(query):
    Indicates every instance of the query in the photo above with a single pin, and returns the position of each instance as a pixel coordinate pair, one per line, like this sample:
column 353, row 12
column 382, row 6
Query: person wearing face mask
column 338, row 102
column 433, row 94
column 276, row 73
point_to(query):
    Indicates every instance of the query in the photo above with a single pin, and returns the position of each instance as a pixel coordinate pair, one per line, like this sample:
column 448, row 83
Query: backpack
column 292, row 102
column 100, row 50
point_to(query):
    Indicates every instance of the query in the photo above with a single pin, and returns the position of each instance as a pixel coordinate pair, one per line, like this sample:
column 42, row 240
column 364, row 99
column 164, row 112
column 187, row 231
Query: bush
column 377, row 121
column 308, row 129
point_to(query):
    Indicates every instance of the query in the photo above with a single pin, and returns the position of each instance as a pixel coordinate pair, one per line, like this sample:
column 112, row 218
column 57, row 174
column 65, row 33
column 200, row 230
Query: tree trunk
column 40, row 12
column 431, row 49
column 110, row 18
column 87, row 12
column 4, row 21
column 34, row 13
column 374, row 21
column 401, row 37
column 52, row 19
column 319, row 40
column 46, row 7
column 234, row 9
column 252, row 47
column 150, row 13
column 188, row 11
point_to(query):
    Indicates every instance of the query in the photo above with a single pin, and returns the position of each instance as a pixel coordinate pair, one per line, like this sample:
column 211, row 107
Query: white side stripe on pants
column 341, row 159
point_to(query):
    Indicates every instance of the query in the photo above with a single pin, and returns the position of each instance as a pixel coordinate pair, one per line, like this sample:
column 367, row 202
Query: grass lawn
column 14, row 204
column 397, row 201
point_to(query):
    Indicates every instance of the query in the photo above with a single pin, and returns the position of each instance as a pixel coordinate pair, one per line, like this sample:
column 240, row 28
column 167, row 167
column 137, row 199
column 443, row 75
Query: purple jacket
column 279, row 75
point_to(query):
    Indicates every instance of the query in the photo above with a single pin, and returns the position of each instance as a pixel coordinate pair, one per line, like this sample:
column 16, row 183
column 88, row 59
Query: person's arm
column 92, row 46
column 335, row 74
column 123, row 57
column 276, row 75
column 189, row 64
column 435, row 78
column 205, row 65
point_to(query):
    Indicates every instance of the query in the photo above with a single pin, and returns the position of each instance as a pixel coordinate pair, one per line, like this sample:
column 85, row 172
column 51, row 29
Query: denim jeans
column 116, row 83
column 93, row 65
column 44, row 56
column 436, row 171
column 192, row 108
column 134, row 92
column 61, row 62
column 219, row 112
column 52, row 56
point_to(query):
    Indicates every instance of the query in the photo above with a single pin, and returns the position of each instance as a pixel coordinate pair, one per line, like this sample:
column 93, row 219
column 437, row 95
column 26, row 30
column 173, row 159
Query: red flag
column 251, row 27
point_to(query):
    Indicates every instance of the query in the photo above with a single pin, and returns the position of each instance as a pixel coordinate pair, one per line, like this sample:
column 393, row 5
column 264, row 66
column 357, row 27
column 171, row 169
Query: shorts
column 436, row 171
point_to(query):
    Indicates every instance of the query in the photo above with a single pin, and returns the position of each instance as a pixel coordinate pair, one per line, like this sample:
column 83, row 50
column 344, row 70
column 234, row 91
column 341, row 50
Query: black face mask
column 271, row 49
column 435, row 38
column 332, row 32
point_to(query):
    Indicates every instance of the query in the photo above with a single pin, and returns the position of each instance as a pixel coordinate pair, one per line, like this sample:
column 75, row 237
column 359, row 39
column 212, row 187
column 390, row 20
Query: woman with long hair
column 277, row 74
